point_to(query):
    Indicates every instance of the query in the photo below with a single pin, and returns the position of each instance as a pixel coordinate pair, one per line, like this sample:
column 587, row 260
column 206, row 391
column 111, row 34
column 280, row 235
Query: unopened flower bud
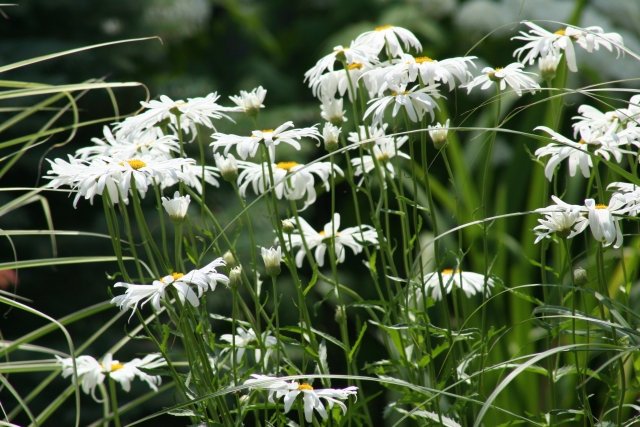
column 288, row 226
column 272, row 259
column 229, row 259
column 341, row 314
column 548, row 65
column 176, row 207
column 228, row 166
column 235, row 277
column 438, row 135
column 330, row 134
column 580, row 276
column 332, row 111
column 250, row 102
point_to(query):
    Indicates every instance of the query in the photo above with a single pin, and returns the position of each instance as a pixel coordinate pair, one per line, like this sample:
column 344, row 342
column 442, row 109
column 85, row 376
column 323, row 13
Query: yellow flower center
column 601, row 206
column 305, row 386
column 383, row 158
column 134, row 163
column 180, row 103
column 175, row 276
column 450, row 271
column 354, row 66
column 559, row 32
column 582, row 141
column 421, row 59
column 114, row 366
column 396, row 93
column 322, row 233
column 286, row 165
column 384, row 27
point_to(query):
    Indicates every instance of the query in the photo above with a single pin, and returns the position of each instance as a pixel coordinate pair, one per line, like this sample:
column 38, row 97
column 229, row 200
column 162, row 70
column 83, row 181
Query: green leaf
column 355, row 346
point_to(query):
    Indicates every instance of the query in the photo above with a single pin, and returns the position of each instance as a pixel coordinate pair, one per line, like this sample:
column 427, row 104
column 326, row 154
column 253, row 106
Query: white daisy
column 376, row 135
column 92, row 373
column 577, row 152
column 248, row 146
column 148, row 141
column 328, row 84
column 176, row 207
column 192, row 176
column 384, row 151
column 352, row 237
column 470, row 283
column 416, row 101
column 408, row 68
column 541, row 42
column 564, row 219
column 292, row 180
column 392, row 36
column 250, row 102
column 196, row 110
column 631, row 194
column 512, row 74
column 204, row 278
column 248, row 339
column 604, row 226
column 310, row 397
column 356, row 53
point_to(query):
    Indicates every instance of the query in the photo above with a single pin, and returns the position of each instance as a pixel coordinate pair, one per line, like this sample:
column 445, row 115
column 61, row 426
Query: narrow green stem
column 114, row 401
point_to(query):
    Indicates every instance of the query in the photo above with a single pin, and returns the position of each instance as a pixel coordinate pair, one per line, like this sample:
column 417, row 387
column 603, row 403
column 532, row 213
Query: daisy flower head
column 114, row 174
column 147, row 141
column 332, row 111
column 383, row 151
column 578, row 153
column 250, row 102
column 374, row 134
column 512, row 75
column 541, row 42
column 470, row 283
column 176, row 207
column 195, row 110
column 391, row 36
column 352, row 237
column 248, row 339
column 292, row 180
column 248, row 146
column 564, row 219
column 204, row 278
column 272, row 259
column 92, row 373
column 604, row 226
column 192, row 176
column 408, row 68
column 631, row 194
column 415, row 101
column 330, row 134
column 354, row 54
column 340, row 82
column 310, row 396
column 438, row 134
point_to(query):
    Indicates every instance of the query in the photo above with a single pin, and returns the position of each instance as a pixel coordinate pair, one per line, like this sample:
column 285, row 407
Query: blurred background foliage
column 228, row 46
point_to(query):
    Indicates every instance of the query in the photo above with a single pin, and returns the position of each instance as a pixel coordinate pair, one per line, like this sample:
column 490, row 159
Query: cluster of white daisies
column 148, row 150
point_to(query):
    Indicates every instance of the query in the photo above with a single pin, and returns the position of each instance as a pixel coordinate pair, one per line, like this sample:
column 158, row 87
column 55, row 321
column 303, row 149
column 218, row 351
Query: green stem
column 114, row 401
